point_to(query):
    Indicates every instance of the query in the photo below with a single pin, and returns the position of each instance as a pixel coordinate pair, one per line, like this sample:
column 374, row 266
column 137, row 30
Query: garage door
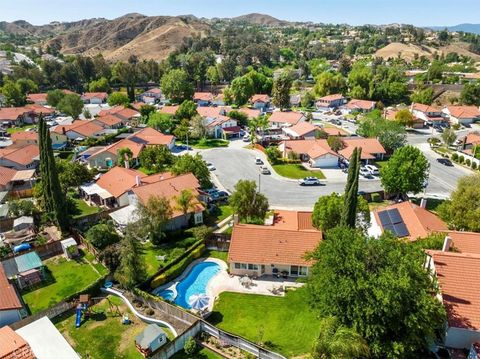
column 326, row 162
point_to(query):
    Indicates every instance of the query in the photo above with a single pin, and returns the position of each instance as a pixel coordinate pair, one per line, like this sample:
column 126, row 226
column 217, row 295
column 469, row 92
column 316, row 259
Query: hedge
column 176, row 269
column 474, row 165
column 454, row 156
column 376, row 197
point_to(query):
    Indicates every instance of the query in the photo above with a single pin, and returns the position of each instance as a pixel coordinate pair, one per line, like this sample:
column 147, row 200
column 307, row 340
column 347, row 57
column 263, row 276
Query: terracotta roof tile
column 24, row 136
column 425, row 108
column 21, row 155
column 293, row 220
column 302, row 128
column 465, row 242
column 90, row 95
column 354, row 104
column 464, row 111
column 313, row 148
column 268, row 245
column 329, row 98
column 108, row 120
column 369, row 146
column 203, row 96
column 119, row 180
column 250, row 112
column 8, row 295
column 260, row 98
column 13, row 346
column 6, row 175
column 169, row 110
column 151, row 137
column 290, row 117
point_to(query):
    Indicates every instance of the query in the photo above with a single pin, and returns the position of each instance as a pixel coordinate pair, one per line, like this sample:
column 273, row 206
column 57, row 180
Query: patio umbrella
column 245, row 280
column 199, row 302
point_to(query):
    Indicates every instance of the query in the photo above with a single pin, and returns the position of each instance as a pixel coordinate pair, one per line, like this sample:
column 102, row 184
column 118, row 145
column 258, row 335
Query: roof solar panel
column 390, row 228
column 401, row 230
column 395, row 216
column 384, row 218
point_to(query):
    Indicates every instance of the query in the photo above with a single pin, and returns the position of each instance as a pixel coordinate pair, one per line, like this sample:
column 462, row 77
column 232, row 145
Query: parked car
column 210, row 191
column 445, row 162
column 219, row 196
column 264, row 170
column 365, row 172
column 309, row 181
column 210, row 166
column 373, row 170
column 246, row 138
column 258, row 161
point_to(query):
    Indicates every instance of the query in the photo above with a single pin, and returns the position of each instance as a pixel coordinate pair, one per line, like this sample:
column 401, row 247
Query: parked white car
column 258, row 161
column 309, row 181
column 210, row 166
column 373, row 170
column 365, row 172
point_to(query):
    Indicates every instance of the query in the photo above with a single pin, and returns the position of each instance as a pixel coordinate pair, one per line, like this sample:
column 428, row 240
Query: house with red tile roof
column 406, row 220
column 250, row 112
column 169, row 187
column 80, row 130
column 37, row 98
column 10, row 305
column 13, row 346
column 203, row 98
column 25, row 138
column 151, row 96
column 280, row 119
column 260, row 102
column 363, row 106
column 152, row 137
column 169, row 110
column 108, row 121
column 317, row 153
column 334, row 131
column 278, row 249
column 301, row 131
column 330, row 102
column 94, row 98
column 371, row 148
column 216, row 120
column 16, row 116
column 127, row 115
column 457, row 275
column 462, row 114
column 20, row 157
column 430, row 114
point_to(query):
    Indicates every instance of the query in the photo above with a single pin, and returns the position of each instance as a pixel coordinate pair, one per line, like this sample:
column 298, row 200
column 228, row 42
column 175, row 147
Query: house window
column 298, row 271
column 302, row 271
column 237, row 265
column 293, row 270
column 243, row 266
column 252, row 267
column 198, row 218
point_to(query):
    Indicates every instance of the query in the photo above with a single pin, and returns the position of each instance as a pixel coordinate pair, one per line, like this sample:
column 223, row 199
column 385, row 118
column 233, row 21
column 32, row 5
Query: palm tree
column 338, row 342
column 185, row 201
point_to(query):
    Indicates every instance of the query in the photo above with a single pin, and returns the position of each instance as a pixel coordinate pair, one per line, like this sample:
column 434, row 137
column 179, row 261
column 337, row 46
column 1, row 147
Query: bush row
column 462, row 160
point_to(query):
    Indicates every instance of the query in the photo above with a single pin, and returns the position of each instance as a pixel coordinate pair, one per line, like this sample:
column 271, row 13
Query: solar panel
column 389, row 227
column 384, row 218
column 395, row 216
column 401, row 230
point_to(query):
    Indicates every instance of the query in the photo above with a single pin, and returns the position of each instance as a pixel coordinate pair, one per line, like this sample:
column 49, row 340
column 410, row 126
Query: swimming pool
column 194, row 283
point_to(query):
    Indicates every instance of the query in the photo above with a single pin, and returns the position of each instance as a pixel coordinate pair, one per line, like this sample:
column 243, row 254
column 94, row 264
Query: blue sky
column 417, row 12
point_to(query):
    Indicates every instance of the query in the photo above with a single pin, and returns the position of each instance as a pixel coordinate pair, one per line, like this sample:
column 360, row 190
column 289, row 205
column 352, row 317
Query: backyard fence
column 218, row 241
column 51, row 313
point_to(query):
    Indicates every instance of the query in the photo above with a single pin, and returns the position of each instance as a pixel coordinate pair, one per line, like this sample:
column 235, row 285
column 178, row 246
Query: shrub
column 201, row 233
column 474, row 165
column 454, row 157
column 461, row 159
column 150, row 312
column 376, row 197
column 190, row 346
column 468, row 162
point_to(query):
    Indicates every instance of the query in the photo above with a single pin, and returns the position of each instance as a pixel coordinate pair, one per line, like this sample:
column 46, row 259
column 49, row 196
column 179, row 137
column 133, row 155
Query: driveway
column 234, row 164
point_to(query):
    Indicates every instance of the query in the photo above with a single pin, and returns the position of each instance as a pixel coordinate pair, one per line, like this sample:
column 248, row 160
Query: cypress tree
column 349, row 214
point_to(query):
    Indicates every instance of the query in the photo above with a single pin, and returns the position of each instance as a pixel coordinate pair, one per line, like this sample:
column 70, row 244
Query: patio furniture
column 160, row 258
column 245, row 281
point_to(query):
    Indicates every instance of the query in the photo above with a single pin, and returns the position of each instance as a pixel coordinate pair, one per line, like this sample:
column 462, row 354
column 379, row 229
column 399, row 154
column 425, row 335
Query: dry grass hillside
column 408, row 51
column 260, row 19
column 146, row 37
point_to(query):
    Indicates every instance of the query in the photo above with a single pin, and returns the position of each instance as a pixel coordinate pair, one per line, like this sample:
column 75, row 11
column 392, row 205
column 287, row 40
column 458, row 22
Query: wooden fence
column 51, row 313
column 219, row 242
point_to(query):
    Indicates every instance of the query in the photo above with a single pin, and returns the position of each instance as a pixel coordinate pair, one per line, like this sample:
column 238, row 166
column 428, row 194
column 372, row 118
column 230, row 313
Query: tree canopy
column 194, row 164
column 391, row 134
column 118, row 98
column 71, row 105
column 248, row 203
column 176, row 85
column 379, row 288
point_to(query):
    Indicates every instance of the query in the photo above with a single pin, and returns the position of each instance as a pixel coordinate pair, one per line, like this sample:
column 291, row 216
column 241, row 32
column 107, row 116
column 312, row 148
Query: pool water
column 195, row 283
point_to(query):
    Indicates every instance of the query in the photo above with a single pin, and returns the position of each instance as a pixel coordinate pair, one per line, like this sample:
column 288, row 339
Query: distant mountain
column 260, row 19
column 473, row 28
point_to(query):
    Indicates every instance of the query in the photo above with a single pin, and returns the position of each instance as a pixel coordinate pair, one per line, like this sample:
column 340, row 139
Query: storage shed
column 69, row 247
column 151, row 339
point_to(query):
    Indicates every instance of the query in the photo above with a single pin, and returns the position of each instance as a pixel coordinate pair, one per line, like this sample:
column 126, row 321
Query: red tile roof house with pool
column 276, row 249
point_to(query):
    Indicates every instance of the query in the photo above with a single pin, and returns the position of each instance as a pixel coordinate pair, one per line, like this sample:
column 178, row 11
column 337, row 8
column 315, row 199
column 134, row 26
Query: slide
column 78, row 320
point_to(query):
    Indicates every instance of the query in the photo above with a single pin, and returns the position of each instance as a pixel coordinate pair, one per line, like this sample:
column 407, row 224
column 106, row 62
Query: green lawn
column 103, row 336
column 203, row 353
column 83, row 209
column 218, row 214
column 206, row 143
column 381, row 164
column 64, row 278
column 296, row 171
column 216, row 254
column 11, row 130
column 432, row 203
column 283, row 324
column 170, row 249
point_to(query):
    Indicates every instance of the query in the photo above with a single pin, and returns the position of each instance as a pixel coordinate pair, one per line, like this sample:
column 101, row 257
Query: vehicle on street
column 210, row 191
column 258, row 161
column 373, row 170
column 365, row 172
column 219, row 196
column 264, row 170
column 309, row 181
column 246, row 138
column 210, row 166
column 445, row 162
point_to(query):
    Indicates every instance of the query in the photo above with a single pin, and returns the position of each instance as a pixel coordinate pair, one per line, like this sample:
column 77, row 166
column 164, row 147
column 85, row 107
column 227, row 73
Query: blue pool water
column 194, row 283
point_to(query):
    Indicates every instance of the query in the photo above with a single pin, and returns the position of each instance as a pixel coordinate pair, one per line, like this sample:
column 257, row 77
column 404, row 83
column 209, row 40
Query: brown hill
column 409, row 51
column 260, row 19
column 147, row 37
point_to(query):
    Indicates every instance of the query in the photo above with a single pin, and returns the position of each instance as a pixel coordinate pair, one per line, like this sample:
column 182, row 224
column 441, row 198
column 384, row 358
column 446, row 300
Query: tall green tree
column 193, row 164
column 185, row 201
column 329, row 83
column 281, row 90
column 336, row 341
column 71, row 105
column 154, row 216
column 349, row 215
column 118, row 98
column 242, row 88
column 248, row 203
column 127, row 74
column 380, row 289
column 176, row 85
column 13, row 94
column 187, row 110
column 131, row 270
column 406, row 171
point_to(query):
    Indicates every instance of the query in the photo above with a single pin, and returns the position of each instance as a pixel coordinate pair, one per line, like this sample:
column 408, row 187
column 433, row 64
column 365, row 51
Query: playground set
column 84, row 309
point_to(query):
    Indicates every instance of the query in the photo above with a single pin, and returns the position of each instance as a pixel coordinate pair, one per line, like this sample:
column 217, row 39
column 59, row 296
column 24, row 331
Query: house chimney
column 235, row 219
column 423, row 203
column 447, row 244
column 138, row 182
column 127, row 163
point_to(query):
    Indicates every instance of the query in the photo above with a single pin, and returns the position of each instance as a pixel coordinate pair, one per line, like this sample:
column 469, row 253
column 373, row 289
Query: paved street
column 234, row 164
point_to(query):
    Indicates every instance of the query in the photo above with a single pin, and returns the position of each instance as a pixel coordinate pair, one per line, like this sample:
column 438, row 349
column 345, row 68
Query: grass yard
column 432, row 203
column 83, row 209
column 286, row 325
column 11, row 130
column 170, row 250
column 64, row 278
column 296, row 171
column 216, row 254
column 205, row 143
column 203, row 353
column 218, row 214
column 381, row 164
column 103, row 336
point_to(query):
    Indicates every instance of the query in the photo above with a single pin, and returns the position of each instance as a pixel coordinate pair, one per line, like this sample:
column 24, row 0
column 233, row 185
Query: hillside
column 260, row 19
column 408, row 52
column 473, row 28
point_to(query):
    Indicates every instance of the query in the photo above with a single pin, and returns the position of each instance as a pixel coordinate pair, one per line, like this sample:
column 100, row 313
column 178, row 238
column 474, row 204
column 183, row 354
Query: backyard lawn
column 296, row 171
column 64, row 278
column 205, row 143
column 216, row 254
column 283, row 324
column 103, row 336
column 203, row 353
column 11, row 130
column 83, row 209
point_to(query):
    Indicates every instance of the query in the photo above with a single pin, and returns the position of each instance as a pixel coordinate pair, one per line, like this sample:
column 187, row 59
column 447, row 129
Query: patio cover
column 125, row 215
column 23, row 263
column 24, row 175
column 94, row 188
